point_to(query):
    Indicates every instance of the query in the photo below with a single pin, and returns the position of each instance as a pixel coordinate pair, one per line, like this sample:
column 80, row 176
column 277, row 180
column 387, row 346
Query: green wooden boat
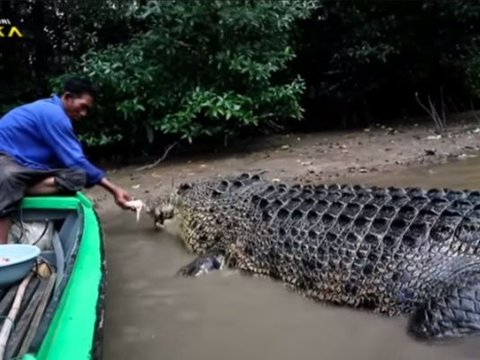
column 70, row 326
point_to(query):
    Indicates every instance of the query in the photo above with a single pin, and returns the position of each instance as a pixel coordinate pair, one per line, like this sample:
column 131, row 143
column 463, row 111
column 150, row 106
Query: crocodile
column 388, row 250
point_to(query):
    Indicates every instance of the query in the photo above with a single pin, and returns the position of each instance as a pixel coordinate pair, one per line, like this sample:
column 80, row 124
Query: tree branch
column 148, row 167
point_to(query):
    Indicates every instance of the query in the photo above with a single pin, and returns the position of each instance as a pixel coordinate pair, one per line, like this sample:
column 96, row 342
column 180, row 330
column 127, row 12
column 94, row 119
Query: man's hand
column 121, row 198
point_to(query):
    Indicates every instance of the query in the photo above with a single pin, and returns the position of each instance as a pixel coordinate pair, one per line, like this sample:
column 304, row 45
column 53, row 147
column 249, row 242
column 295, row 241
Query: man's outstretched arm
column 61, row 137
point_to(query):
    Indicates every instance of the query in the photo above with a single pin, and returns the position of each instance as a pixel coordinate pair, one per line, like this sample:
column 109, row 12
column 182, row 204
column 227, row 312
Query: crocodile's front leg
column 202, row 265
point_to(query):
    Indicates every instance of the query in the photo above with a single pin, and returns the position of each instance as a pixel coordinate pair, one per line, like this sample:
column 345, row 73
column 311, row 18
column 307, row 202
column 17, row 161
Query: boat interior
column 57, row 233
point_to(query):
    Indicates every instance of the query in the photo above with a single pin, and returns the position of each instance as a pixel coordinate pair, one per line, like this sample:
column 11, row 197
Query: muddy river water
column 153, row 315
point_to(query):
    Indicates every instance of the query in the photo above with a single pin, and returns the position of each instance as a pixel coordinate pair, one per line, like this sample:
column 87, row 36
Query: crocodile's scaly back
column 391, row 250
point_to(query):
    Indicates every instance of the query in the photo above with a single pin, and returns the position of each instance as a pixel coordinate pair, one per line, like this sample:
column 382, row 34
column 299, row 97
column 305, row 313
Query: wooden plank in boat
column 24, row 320
column 31, row 288
column 7, row 301
column 32, row 329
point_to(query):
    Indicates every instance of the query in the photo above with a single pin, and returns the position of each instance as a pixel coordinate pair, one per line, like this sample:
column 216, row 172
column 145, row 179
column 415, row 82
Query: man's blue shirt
column 40, row 135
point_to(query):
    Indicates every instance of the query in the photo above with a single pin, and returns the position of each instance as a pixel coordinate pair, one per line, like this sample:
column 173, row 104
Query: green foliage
column 197, row 69
column 200, row 69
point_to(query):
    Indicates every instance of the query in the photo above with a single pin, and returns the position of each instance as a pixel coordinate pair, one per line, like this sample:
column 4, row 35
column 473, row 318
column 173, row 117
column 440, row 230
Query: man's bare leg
column 44, row 187
column 4, row 229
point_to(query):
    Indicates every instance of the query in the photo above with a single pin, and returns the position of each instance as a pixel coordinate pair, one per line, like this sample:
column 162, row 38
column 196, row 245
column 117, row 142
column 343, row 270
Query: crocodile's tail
column 453, row 315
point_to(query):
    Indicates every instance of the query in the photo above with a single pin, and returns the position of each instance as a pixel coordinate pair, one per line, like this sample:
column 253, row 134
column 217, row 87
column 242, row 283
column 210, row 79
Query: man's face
column 77, row 107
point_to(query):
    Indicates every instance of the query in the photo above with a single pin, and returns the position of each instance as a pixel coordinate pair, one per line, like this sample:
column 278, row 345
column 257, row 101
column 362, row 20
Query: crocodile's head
column 192, row 214
column 160, row 209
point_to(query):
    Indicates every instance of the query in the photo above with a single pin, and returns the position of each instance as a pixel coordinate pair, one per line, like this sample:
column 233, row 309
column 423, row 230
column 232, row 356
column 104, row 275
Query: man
column 41, row 155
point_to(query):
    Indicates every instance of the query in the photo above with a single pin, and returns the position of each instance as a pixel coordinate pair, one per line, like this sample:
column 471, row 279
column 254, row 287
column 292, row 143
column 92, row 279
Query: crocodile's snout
column 160, row 212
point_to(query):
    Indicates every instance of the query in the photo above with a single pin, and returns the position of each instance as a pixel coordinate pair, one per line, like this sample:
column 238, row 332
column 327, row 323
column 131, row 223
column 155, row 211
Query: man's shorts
column 16, row 179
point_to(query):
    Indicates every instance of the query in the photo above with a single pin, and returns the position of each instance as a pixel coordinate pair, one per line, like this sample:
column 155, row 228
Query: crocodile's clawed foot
column 202, row 265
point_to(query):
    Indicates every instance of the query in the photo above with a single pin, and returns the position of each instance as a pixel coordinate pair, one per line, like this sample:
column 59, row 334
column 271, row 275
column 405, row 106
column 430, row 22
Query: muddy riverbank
column 320, row 157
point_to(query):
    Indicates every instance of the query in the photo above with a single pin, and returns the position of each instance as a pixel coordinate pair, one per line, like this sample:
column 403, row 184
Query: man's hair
column 79, row 86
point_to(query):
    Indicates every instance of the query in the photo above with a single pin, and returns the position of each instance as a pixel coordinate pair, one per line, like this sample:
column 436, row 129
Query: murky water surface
column 225, row 315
